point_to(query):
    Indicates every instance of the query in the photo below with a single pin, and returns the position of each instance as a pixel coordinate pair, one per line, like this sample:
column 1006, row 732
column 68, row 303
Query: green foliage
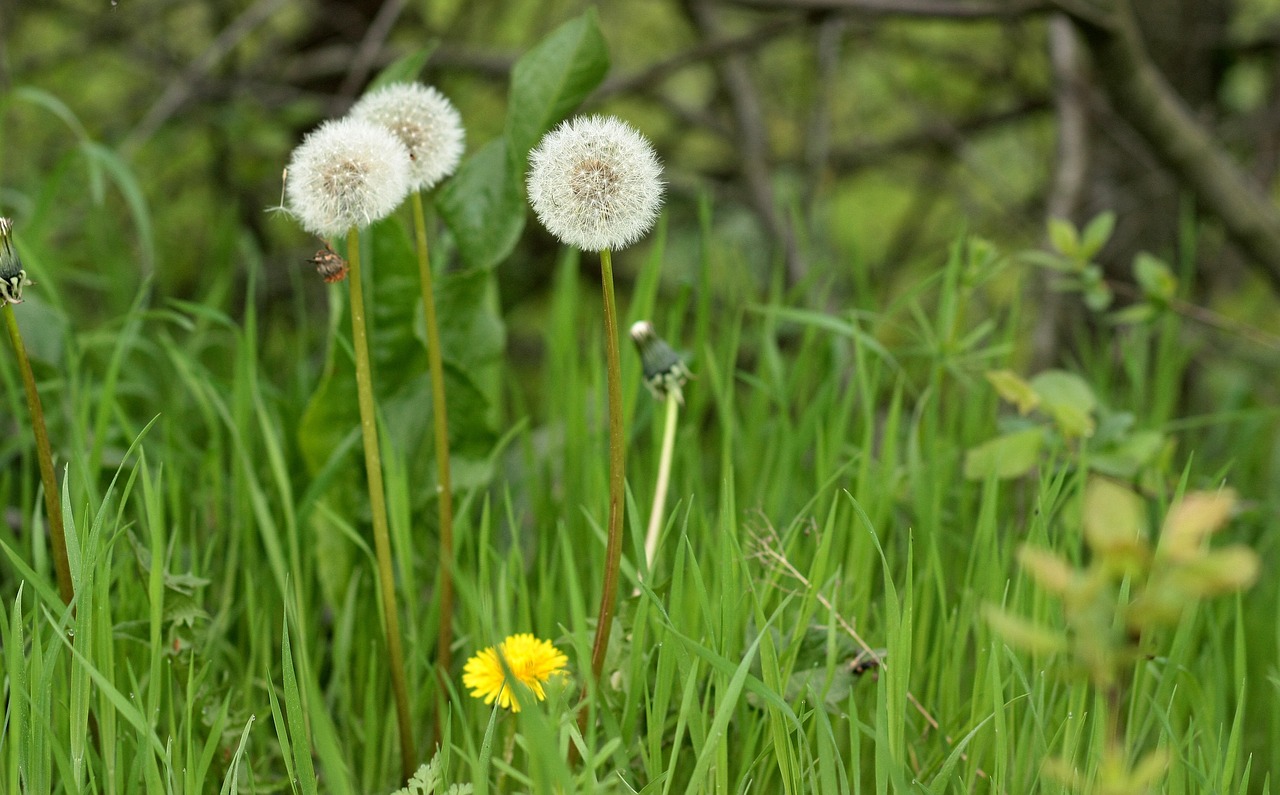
column 1074, row 426
column 1112, row 606
column 483, row 203
column 472, row 343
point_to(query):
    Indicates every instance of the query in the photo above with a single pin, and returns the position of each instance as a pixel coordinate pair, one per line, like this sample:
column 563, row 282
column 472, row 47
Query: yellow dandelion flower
column 530, row 661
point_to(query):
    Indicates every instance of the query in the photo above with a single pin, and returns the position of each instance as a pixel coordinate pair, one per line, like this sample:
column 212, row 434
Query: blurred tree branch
column 748, row 112
column 1142, row 97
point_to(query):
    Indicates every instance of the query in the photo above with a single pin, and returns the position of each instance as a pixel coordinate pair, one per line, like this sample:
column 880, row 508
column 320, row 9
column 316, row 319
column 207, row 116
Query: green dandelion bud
column 12, row 277
column 665, row 372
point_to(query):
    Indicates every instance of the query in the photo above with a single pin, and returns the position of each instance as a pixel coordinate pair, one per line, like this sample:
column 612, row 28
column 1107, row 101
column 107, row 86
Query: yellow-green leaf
column 1050, row 571
column 1026, row 635
column 1013, row 389
column 1114, row 517
column 1193, row 519
column 1008, row 456
column 1068, row 399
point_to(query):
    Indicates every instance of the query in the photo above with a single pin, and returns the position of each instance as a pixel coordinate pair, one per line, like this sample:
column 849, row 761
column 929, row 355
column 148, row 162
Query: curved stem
column 44, row 454
column 444, row 489
column 617, row 474
column 378, row 505
column 664, row 479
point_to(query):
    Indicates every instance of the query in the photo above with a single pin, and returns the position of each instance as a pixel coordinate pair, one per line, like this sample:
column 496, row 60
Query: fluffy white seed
column 425, row 121
column 595, row 183
column 346, row 173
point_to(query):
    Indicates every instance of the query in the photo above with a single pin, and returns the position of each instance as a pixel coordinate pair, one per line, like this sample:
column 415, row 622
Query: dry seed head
column 595, row 183
column 425, row 121
column 346, row 174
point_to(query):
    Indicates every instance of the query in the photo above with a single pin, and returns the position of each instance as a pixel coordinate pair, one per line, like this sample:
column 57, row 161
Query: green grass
column 227, row 635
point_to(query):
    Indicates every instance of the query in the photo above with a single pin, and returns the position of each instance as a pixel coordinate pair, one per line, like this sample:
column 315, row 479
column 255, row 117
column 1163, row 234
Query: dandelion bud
column 12, row 277
column 664, row 371
column 595, row 183
column 346, row 174
column 426, row 123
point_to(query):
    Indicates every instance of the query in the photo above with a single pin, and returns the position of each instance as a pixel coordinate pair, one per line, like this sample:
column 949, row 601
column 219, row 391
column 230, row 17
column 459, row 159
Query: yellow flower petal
column 530, row 661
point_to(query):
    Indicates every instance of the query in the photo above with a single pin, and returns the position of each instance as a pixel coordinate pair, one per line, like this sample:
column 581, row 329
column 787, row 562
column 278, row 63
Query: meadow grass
column 226, row 634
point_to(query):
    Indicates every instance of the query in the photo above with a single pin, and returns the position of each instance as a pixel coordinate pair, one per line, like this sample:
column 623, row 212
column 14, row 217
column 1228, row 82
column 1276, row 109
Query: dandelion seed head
column 529, row 660
column 425, row 121
column 595, row 183
column 346, row 173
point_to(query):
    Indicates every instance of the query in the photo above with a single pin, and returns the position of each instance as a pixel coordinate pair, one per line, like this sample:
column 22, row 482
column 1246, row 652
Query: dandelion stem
column 44, row 454
column 444, row 588
column 664, row 478
column 378, row 505
column 617, row 474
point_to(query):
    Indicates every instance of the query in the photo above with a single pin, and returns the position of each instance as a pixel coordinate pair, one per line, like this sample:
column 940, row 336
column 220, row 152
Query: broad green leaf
column 553, row 78
column 1012, row 388
column 404, row 69
column 1154, row 277
column 1096, row 234
column 1130, row 455
column 1068, row 399
column 1065, row 239
column 1097, row 296
column 472, row 345
column 1008, row 456
column 483, row 204
column 1132, row 315
column 1115, row 518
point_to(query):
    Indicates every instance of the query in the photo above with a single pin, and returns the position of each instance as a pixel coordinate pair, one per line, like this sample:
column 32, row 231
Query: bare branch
column 1142, row 97
column 703, row 51
column 181, row 87
column 366, row 54
column 748, row 114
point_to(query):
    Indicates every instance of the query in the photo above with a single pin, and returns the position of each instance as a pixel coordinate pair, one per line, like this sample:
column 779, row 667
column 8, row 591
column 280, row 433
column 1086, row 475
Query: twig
column 182, row 86
column 366, row 55
column 749, row 118
column 1071, row 108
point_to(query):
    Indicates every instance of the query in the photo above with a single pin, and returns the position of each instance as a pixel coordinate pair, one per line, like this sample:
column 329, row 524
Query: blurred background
column 837, row 147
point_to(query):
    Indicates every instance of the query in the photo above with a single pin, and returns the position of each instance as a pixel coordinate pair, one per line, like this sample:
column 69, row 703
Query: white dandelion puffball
column 346, row 174
column 595, row 183
column 425, row 121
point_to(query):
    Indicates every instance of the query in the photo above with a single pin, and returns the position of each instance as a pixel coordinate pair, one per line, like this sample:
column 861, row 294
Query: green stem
column 444, row 489
column 44, row 454
column 378, row 505
column 617, row 474
column 664, row 479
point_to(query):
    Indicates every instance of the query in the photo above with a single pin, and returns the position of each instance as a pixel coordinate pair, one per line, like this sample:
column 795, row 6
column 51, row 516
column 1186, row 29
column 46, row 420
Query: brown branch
column 1066, row 192
column 366, row 55
column 933, row 137
column 704, row 51
column 181, row 87
column 1142, row 97
column 748, row 114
